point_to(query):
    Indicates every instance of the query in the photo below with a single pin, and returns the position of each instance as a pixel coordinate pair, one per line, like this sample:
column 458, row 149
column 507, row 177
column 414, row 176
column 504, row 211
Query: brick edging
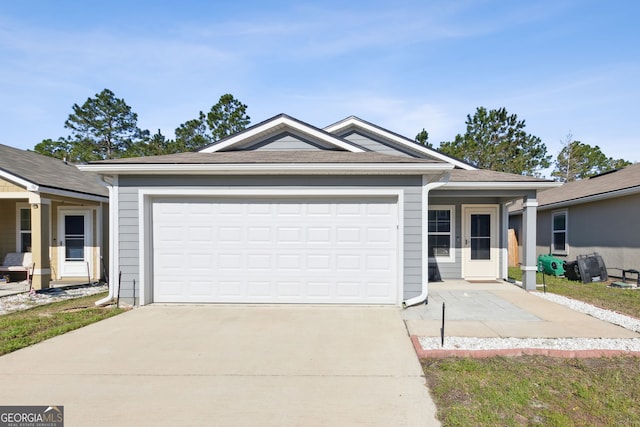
column 514, row 352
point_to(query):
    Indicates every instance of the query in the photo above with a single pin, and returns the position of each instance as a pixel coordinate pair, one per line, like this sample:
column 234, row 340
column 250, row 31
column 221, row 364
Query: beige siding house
column 48, row 208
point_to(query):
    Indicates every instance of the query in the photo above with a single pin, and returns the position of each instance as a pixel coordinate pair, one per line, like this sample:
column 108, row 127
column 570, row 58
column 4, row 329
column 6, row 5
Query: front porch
column 63, row 235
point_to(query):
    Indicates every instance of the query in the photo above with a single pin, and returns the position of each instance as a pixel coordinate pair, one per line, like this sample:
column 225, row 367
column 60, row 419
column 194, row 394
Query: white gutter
column 76, row 195
column 426, row 187
column 113, row 209
column 268, row 168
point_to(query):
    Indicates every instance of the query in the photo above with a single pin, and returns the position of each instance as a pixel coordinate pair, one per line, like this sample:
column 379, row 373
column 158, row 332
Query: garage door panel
column 230, row 288
column 290, row 262
column 278, row 250
column 258, row 289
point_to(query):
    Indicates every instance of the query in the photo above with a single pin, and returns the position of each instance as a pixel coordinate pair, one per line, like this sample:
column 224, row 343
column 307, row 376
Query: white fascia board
column 492, row 185
column 268, row 169
column 398, row 140
column 30, row 186
column 74, row 194
column 589, row 199
column 282, row 122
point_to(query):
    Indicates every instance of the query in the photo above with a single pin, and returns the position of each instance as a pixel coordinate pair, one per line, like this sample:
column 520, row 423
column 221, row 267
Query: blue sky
column 563, row 66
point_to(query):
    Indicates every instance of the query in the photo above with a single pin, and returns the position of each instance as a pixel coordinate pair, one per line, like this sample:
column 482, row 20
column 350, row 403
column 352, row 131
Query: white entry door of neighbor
column 74, row 242
column 480, row 254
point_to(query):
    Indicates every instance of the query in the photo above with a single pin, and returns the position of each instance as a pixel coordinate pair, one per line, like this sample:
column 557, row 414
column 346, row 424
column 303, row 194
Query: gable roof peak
column 278, row 123
column 354, row 122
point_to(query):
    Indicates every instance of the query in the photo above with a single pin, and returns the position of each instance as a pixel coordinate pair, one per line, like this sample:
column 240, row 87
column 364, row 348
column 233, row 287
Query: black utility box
column 592, row 268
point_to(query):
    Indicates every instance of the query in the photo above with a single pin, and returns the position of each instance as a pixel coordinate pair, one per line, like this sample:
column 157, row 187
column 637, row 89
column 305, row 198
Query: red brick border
column 514, row 352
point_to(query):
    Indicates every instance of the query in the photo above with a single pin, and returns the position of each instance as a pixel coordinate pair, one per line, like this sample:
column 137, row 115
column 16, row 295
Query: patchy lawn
column 536, row 390
column 24, row 328
column 533, row 390
column 625, row 301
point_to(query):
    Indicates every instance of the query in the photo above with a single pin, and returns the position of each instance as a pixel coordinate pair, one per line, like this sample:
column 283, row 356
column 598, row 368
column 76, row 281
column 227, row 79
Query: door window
column 74, row 237
column 480, row 236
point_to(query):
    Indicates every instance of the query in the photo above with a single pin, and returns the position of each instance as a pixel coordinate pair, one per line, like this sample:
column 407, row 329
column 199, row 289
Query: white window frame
column 20, row 207
column 452, row 231
column 554, row 250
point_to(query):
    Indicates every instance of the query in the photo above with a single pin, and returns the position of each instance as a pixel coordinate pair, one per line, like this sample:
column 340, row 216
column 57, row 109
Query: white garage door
column 275, row 250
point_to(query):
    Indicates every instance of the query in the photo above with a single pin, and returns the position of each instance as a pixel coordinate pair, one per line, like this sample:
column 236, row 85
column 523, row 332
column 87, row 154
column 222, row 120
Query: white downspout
column 426, row 187
column 113, row 202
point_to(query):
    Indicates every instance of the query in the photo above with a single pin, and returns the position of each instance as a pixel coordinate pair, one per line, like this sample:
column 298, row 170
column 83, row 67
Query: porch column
column 529, row 265
column 40, row 239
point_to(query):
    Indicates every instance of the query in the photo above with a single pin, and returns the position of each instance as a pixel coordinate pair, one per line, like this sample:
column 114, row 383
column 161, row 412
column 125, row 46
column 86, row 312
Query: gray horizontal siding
column 606, row 227
column 286, row 142
column 412, row 241
column 128, row 214
column 128, row 244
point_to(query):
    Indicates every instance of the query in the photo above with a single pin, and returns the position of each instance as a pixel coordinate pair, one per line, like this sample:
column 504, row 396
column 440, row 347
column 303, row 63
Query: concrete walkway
column 229, row 366
column 13, row 288
column 501, row 310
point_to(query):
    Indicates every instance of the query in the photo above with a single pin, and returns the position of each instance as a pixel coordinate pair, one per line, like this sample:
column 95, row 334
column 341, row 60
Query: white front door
column 74, row 243
column 480, row 242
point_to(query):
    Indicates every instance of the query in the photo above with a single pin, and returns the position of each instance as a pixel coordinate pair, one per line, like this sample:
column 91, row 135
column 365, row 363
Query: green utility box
column 548, row 264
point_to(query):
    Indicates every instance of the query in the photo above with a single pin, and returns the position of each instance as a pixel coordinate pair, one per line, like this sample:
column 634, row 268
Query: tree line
column 496, row 140
column 105, row 127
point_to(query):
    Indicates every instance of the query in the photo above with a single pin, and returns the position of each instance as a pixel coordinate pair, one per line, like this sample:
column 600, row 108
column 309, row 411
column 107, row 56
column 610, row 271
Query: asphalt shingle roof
column 485, row 175
column 574, row 191
column 48, row 172
column 620, row 179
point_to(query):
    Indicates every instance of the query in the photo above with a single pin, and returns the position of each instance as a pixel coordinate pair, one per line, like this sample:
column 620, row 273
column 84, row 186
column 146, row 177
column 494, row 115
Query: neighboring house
column 599, row 214
column 54, row 211
column 284, row 212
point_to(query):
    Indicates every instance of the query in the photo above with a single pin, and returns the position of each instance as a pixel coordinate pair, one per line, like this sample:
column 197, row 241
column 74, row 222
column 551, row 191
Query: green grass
column 24, row 328
column 528, row 390
column 626, row 301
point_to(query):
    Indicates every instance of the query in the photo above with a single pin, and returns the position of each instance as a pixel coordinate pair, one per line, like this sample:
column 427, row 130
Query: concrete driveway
column 228, row 366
